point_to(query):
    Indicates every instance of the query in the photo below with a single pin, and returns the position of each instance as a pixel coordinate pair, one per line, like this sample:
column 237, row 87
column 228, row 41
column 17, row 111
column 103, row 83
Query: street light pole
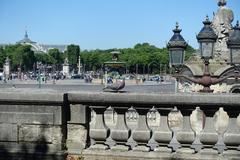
column 148, row 70
column 39, row 74
column 159, row 69
column 79, row 65
column 176, row 47
column 137, row 73
column 206, row 39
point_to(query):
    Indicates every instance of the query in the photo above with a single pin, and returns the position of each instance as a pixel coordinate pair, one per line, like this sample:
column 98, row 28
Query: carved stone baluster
column 238, row 124
column 120, row 133
column 208, row 136
column 153, row 120
column 92, row 124
column 197, row 120
column 186, row 134
column 163, row 134
column 131, row 118
column 142, row 133
column 175, row 123
column 110, row 117
column 98, row 130
column 232, row 136
column 221, row 121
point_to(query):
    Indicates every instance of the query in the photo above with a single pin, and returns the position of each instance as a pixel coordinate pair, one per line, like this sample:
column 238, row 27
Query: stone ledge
column 31, row 96
column 183, row 99
column 23, row 155
column 134, row 155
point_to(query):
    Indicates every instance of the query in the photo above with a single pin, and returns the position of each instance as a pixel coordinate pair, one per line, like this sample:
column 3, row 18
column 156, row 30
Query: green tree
column 189, row 52
column 73, row 52
column 28, row 58
column 42, row 57
column 21, row 56
column 2, row 57
column 55, row 56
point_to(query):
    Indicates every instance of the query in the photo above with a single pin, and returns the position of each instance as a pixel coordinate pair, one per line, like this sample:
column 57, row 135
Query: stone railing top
column 146, row 99
column 39, row 96
column 188, row 100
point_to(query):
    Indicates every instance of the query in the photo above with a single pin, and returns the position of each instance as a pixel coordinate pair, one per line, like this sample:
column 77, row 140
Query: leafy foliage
column 189, row 51
column 142, row 58
column 73, row 52
column 21, row 56
column 2, row 56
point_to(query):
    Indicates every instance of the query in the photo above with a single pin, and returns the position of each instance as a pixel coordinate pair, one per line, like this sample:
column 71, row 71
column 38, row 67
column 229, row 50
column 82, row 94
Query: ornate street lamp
column 206, row 39
column 176, row 47
column 233, row 44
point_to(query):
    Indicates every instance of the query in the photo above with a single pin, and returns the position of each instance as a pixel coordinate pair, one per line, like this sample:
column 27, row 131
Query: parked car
column 77, row 76
column 129, row 76
column 154, row 78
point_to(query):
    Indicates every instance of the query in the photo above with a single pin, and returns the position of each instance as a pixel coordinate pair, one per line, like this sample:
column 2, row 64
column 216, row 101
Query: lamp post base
column 206, row 90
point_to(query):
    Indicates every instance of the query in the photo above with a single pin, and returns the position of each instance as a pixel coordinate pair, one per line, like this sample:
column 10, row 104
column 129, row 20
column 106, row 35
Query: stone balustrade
column 146, row 129
column 192, row 124
column 105, row 125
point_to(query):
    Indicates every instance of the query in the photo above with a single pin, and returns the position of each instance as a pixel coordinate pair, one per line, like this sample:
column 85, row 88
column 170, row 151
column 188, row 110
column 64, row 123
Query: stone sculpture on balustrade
column 222, row 25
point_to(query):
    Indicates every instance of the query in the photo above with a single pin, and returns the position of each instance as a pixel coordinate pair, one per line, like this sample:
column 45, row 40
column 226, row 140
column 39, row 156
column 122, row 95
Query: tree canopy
column 141, row 55
column 142, row 58
column 73, row 52
column 21, row 56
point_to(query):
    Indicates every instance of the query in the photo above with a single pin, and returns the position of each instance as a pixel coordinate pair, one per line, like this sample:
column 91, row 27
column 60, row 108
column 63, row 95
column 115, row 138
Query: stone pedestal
column 6, row 68
column 66, row 69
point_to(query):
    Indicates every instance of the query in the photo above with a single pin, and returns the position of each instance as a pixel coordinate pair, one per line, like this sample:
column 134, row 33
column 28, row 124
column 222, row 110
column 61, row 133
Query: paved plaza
column 80, row 85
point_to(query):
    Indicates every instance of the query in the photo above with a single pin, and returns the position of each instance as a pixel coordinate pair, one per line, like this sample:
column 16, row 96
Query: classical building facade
column 41, row 47
column 37, row 47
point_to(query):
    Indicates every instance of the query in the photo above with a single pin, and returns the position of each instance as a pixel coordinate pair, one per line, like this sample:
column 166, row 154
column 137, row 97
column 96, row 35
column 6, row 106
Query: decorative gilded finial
column 206, row 22
column 207, row 18
column 177, row 25
column 177, row 30
column 26, row 34
column 237, row 27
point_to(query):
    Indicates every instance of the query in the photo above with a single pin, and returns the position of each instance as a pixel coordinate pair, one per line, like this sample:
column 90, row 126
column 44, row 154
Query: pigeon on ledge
column 117, row 86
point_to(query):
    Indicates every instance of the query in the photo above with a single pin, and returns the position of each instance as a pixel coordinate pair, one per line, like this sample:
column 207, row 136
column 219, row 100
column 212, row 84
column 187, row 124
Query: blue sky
column 105, row 24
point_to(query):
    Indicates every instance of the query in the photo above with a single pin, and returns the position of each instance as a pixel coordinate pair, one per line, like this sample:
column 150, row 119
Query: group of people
column 88, row 78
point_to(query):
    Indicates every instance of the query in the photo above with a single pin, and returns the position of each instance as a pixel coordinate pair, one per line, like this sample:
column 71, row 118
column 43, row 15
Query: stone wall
column 32, row 125
column 42, row 124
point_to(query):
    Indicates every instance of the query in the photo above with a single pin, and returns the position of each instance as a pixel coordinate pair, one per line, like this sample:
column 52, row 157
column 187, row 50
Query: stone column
column 153, row 120
column 110, row 119
column 142, row 133
column 79, row 65
column 221, row 121
column 238, row 124
column 163, row 134
column 197, row 120
column 66, row 70
column 131, row 118
column 120, row 133
column 175, row 123
column 77, row 128
column 98, row 130
column 7, row 68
